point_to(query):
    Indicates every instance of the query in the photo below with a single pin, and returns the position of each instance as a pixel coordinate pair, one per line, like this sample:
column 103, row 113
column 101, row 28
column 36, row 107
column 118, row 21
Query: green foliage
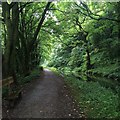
column 95, row 100
column 102, row 42
column 76, row 38
column 110, row 69
column 4, row 91
column 33, row 75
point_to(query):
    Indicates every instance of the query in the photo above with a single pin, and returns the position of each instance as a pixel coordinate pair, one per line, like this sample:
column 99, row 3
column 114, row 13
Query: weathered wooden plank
column 6, row 81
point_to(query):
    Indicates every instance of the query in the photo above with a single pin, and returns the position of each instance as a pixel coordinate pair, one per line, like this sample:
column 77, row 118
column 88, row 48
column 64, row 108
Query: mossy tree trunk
column 8, row 47
column 11, row 19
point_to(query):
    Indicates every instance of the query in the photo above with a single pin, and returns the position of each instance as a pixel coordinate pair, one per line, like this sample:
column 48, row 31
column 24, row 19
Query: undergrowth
column 23, row 80
column 33, row 75
column 96, row 101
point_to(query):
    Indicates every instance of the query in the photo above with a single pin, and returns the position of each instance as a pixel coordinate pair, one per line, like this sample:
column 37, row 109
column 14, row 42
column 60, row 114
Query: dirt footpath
column 46, row 97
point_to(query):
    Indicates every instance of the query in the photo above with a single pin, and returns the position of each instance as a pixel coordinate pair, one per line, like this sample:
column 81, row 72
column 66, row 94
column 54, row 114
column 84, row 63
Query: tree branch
column 23, row 6
column 41, row 21
column 39, row 25
column 92, row 15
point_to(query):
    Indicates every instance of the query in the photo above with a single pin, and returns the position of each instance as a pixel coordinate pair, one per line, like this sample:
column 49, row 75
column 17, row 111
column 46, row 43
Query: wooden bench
column 14, row 92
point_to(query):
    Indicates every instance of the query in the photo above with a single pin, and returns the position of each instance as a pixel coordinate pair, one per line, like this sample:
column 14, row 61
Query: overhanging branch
column 92, row 15
column 39, row 25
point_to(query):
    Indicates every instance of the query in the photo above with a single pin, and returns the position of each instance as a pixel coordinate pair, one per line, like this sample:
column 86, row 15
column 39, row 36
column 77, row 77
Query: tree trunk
column 15, row 20
column 11, row 21
column 8, row 49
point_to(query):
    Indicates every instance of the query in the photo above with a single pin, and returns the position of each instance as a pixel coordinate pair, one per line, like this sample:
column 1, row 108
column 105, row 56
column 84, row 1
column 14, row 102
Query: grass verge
column 96, row 101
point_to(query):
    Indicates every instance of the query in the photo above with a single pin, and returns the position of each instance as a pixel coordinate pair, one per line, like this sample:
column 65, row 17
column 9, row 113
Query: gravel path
column 46, row 97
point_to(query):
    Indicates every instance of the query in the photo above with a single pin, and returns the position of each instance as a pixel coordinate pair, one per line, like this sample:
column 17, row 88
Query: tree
column 19, row 43
column 11, row 22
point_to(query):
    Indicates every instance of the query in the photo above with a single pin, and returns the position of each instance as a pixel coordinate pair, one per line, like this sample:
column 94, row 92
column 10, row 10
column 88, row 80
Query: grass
column 95, row 100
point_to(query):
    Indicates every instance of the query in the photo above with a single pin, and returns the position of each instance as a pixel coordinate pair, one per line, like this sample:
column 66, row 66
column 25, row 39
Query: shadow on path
column 46, row 97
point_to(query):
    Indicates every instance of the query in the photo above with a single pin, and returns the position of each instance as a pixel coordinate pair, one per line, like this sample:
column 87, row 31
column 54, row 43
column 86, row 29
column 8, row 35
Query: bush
column 33, row 75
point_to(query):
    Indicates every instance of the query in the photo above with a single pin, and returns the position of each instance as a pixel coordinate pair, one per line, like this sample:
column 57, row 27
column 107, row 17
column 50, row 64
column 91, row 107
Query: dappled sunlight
column 47, row 70
column 56, row 53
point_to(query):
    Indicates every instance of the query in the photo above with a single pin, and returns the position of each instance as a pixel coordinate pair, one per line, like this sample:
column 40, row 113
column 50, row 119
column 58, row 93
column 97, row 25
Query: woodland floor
column 46, row 97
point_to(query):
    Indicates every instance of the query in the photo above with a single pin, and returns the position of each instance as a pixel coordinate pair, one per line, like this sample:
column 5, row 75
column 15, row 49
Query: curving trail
column 46, row 97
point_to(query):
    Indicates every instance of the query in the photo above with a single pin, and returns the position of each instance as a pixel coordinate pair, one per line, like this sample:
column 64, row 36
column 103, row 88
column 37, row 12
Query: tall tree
column 11, row 21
